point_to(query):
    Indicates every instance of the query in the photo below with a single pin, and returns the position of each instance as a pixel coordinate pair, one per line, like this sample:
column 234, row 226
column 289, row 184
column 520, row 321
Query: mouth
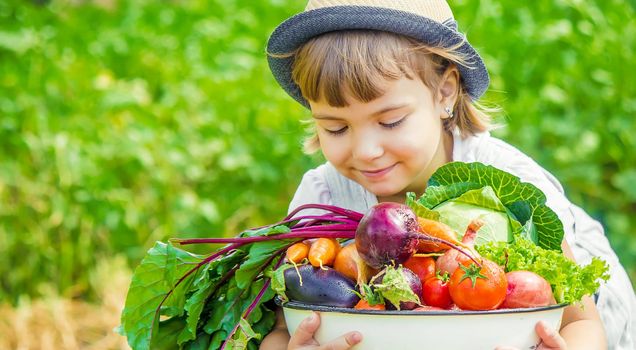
column 377, row 173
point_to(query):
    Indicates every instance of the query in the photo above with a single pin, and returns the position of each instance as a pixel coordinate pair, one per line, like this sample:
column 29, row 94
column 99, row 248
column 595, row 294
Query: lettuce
column 460, row 192
column 569, row 281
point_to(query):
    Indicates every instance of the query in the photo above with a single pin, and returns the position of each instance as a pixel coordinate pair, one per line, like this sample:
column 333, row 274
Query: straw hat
column 429, row 21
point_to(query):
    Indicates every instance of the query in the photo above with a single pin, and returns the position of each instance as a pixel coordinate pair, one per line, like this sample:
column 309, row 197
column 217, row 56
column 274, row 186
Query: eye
column 337, row 132
column 393, row 124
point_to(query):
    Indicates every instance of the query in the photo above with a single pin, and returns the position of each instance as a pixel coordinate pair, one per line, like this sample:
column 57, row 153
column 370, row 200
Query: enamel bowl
column 447, row 330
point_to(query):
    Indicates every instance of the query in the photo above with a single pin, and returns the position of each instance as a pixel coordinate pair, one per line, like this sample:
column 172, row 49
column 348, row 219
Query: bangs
column 355, row 63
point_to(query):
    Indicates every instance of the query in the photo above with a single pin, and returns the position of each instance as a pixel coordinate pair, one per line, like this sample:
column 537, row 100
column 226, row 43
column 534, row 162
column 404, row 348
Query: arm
column 278, row 338
column 581, row 327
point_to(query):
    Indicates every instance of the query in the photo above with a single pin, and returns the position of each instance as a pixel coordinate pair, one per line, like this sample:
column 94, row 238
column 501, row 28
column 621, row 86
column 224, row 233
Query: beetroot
column 389, row 234
column 382, row 237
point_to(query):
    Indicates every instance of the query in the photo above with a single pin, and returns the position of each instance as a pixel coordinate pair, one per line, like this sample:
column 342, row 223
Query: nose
column 367, row 147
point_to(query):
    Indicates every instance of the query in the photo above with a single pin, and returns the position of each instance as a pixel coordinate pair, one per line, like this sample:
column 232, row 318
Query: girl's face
column 390, row 145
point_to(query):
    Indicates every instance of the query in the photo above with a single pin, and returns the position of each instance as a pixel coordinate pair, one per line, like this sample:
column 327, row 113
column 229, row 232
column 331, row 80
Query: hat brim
column 297, row 30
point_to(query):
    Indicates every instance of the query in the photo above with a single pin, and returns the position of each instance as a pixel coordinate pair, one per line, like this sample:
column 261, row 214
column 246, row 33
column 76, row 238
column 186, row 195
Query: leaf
column 569, row 281
column 278, row 281
column 438, row 194
column 242, row 336
column 258, row 254
column 449, row 180
column 395, row 287
column 148, row 288
column 228, row 311
column 483, row 203
column 419, row 209
column 266, row 231
column 166, row 337
column 203, row 288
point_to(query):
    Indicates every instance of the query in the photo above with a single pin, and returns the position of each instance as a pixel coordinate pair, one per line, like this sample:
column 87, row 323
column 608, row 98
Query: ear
column 448, row 87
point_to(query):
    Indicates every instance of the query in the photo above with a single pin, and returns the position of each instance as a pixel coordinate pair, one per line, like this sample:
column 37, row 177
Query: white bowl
column 443, row 330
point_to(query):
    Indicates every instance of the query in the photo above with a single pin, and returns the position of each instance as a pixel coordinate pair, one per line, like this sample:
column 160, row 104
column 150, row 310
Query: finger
column 304, row 334
column 343, row 342
column 550, row 338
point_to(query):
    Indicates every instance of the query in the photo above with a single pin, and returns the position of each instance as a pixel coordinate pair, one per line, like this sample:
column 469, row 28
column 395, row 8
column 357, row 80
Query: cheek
column 421, row 141
column 335, row 150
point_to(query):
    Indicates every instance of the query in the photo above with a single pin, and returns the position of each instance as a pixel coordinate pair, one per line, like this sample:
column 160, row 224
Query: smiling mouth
column 377, row 173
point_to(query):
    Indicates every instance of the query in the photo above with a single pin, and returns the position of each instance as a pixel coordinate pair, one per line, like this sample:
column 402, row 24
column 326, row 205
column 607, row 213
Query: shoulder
column 325, row 185
column 490, row 150
column 313, row 188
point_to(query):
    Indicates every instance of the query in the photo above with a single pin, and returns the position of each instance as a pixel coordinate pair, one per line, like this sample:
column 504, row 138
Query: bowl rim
column 325, row 308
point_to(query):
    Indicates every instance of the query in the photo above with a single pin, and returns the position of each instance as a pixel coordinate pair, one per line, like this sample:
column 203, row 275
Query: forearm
column 584, row 335
column 582, row 327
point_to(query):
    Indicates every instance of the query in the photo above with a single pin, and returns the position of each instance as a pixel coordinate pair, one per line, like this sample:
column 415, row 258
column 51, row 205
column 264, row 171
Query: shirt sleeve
column 312, row 189
column 508, row 158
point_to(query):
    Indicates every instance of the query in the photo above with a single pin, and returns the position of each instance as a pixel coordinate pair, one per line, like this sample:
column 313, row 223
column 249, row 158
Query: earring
column 450, row 112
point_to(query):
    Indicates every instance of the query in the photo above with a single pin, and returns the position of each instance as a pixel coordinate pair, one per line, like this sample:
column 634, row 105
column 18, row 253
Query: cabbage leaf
column 459, row 192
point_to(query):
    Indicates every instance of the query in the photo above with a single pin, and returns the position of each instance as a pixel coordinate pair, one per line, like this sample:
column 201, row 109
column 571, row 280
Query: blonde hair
column 356, row 62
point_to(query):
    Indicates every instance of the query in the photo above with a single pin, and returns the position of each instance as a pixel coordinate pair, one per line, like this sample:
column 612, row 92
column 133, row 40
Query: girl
column 392, row 86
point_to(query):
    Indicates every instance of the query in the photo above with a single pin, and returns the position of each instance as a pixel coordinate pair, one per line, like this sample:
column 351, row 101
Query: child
column 392, row 87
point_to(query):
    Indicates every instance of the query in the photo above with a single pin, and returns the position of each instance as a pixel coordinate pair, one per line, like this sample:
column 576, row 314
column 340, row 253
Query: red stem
column 301, row 233
column 421, row 236
column 330, row 208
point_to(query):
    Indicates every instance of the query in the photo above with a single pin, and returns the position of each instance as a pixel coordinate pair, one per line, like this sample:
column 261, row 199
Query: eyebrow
column 382, row 111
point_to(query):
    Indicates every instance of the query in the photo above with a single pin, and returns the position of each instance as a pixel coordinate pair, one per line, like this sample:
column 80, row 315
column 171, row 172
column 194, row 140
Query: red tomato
column 435, row 292
column 422, row 266
column 478, row 288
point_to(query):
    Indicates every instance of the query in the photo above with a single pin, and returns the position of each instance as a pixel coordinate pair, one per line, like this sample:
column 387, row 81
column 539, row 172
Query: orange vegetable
column 435, row 229
column 323, row 252
column 422, row 266
column 347, row 261
column 297, row 252
column 364, row 305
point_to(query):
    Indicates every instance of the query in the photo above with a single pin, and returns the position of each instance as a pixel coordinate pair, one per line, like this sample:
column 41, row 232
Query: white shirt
column 616, row 300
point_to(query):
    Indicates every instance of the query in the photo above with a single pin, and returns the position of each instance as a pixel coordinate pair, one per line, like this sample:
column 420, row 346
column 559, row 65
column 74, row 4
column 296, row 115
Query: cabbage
column 460, row 192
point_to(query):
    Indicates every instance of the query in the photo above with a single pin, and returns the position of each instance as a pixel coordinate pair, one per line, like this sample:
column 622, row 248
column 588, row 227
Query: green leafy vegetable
column 186, row 306
column 459, row 192
column 569, row 281
column 395, row 287
column 278, row 281
column 181, row 300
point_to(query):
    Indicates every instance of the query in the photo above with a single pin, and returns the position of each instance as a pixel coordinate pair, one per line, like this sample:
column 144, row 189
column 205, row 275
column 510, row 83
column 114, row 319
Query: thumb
column 304, row 334
column 551, row 339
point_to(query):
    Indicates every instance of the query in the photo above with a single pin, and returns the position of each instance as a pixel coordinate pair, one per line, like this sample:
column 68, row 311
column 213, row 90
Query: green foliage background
column 127, row 122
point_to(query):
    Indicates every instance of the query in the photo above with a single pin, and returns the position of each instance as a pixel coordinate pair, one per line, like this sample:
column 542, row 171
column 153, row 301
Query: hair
column 356, row 62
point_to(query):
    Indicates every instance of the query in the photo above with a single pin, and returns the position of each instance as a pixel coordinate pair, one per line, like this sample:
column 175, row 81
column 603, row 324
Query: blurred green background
column 126, row 122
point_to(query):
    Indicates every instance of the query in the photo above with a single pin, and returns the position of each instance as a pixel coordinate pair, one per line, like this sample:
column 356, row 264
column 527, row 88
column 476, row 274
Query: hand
column 303, row 337
column 550, row 339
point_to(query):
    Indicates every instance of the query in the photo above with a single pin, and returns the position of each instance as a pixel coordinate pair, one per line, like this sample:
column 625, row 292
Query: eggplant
column 320, row 286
